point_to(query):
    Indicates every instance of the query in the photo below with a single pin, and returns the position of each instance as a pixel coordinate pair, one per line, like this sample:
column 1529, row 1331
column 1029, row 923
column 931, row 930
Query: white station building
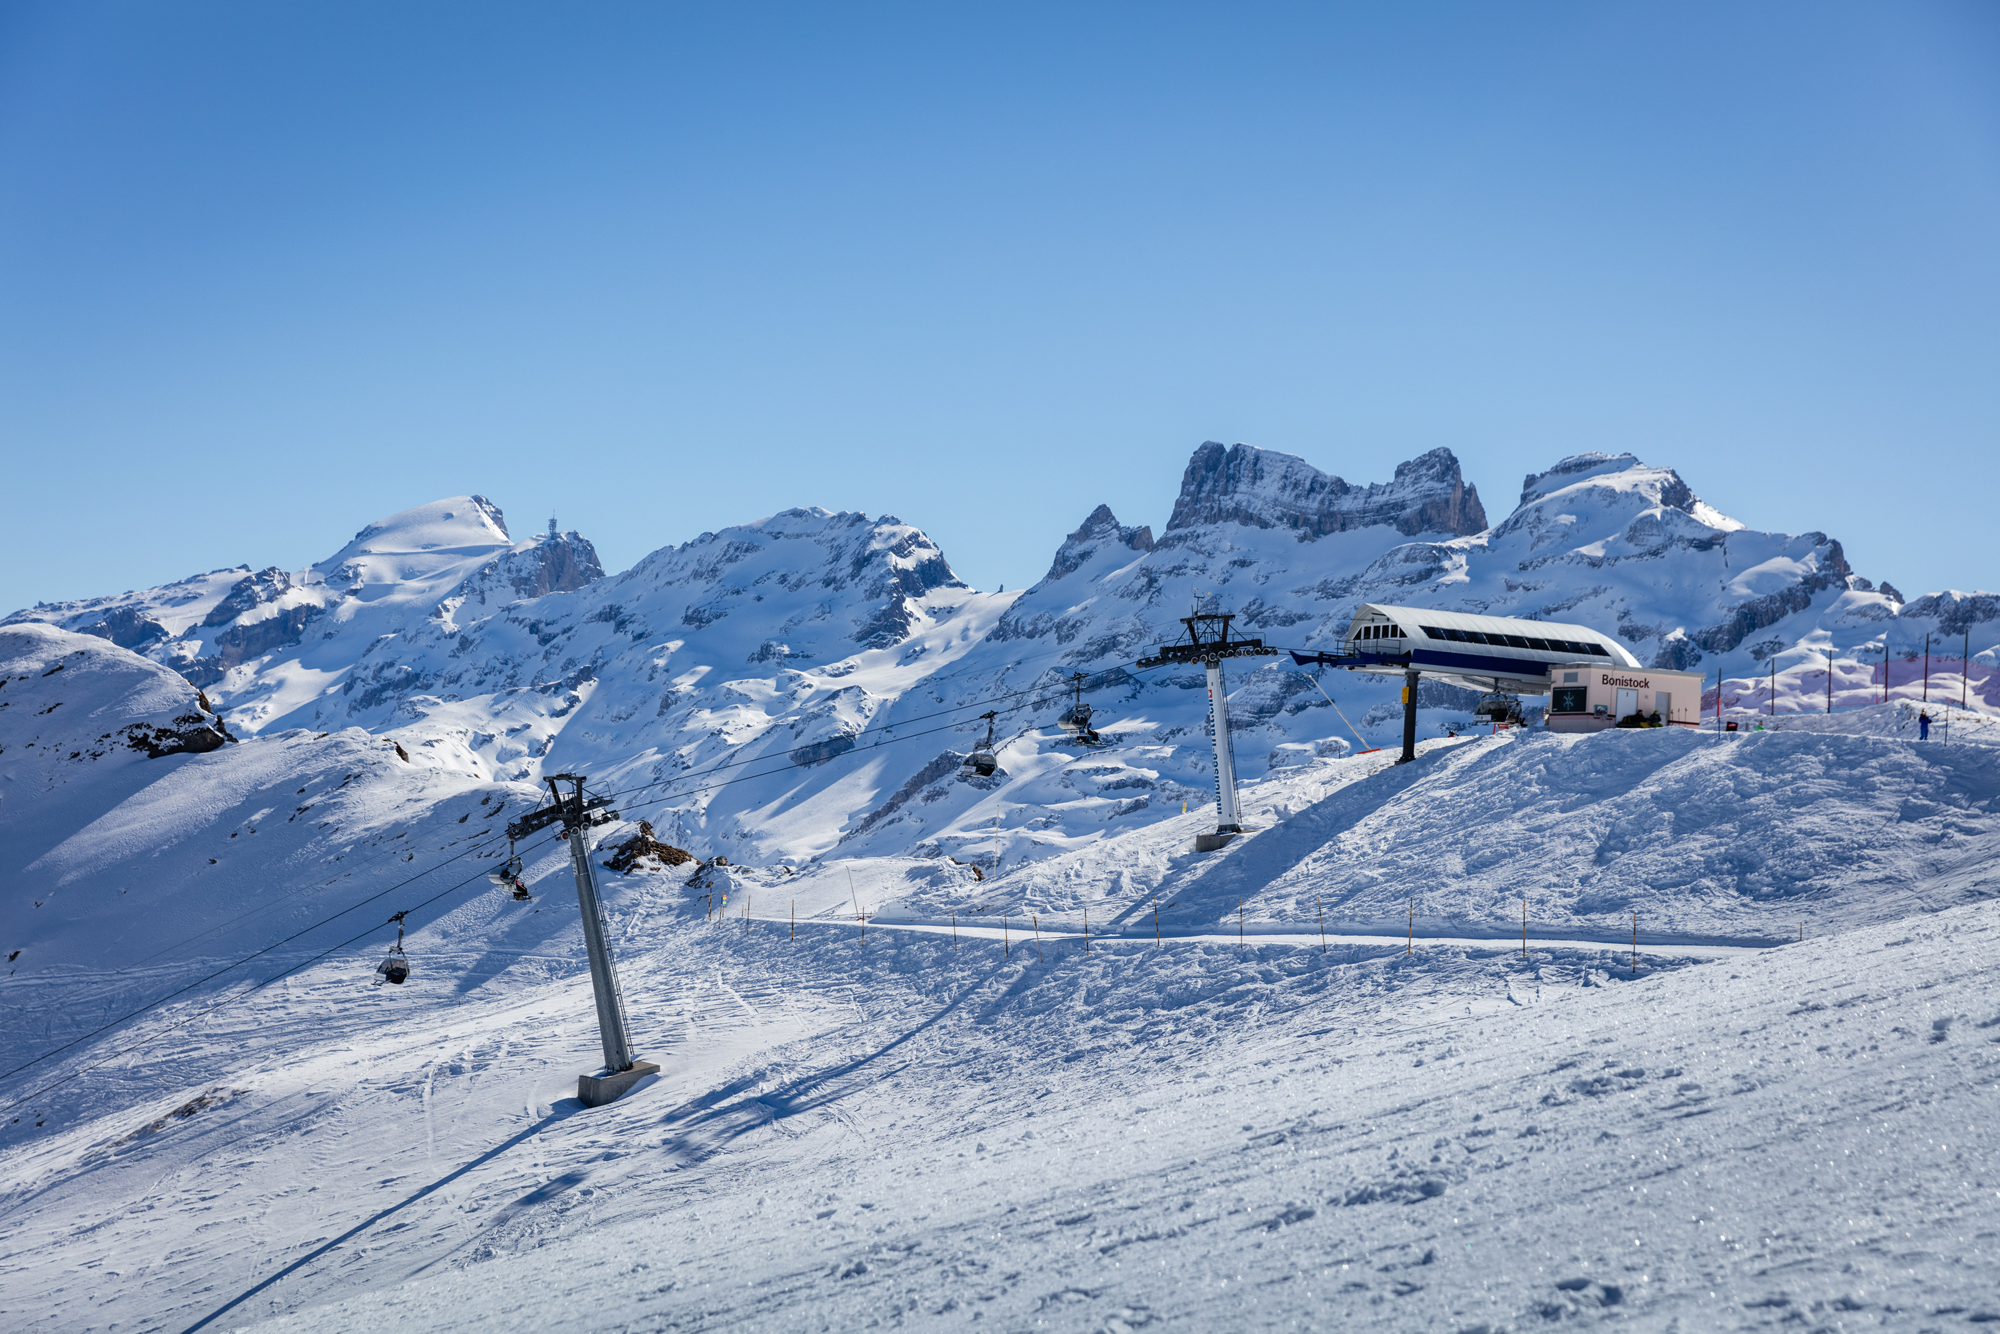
column 1591, row 680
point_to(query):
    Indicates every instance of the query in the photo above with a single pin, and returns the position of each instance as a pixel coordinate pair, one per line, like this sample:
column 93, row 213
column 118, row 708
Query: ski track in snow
column 1193, row 1134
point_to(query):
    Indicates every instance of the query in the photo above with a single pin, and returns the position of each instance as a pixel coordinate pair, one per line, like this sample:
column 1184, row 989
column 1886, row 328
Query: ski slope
column 881, row 1121
column 1687, row 1029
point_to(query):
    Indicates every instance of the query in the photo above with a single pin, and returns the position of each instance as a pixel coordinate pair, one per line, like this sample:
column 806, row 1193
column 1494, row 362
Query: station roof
column 1493, row 652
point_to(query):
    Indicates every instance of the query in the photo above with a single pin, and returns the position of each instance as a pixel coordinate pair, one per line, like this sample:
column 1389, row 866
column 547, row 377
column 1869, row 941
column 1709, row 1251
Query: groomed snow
column 881, row 1125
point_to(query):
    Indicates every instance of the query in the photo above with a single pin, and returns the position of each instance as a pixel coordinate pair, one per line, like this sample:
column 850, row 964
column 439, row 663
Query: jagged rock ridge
column 1266, row 489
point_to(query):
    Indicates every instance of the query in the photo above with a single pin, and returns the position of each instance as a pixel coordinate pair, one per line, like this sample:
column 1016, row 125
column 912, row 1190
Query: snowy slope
column 899, row 1127
column 270, row 644
column 1073, row 1125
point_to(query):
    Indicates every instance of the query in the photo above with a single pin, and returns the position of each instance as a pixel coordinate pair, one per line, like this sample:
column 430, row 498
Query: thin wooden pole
column 1322, row 922
column 1005, row 944
column 1829, row 680
column 746, row 914
column 795, row 919
column 1086, row 930
column 954, row 928
column 1524, row 925
column 1239, row 924
column 1410, row 940
column 855, row 895
column 1036, row 922
column 1965, row 667
column 1927, row 667
column 1635, row 944
column 1156, row 923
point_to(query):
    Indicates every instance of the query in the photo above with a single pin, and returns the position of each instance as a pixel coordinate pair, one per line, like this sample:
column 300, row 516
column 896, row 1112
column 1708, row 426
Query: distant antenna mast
column 552, row 525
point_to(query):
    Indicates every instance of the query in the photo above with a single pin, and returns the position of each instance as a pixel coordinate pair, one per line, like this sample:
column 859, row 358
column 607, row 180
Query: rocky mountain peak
column 1101, row 528
column 1663, row 486
column 1262, row 488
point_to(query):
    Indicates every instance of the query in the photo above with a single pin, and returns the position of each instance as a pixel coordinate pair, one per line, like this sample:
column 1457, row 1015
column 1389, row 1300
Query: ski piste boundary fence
column 1857, row 683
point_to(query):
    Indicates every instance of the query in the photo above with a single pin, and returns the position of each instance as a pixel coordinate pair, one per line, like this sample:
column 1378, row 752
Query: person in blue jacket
column 1924, row 725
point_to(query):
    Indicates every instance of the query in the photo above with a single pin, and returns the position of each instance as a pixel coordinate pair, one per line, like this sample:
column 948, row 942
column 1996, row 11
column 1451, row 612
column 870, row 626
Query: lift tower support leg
column 621, row 1071
column 1208, row 643
column 1227, row 819
column 1409, row 718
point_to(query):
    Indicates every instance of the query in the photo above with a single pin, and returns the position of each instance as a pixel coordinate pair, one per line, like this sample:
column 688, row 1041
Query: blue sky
column 270, row 271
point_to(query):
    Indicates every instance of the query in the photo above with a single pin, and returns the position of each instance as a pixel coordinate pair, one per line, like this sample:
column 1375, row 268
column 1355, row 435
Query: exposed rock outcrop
column 1266, row 489
column 644, row 847
column 1100, row 529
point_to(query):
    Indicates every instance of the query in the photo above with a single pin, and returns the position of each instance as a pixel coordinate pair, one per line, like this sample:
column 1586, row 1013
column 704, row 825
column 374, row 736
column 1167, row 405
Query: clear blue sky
column 271, row 270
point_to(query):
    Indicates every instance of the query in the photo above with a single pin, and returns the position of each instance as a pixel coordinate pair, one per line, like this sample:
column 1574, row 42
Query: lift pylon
column 577, row 813
column 1208, row 642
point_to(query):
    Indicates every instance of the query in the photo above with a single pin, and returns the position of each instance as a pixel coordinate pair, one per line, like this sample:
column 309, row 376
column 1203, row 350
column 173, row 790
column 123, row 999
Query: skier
column 1924, row 725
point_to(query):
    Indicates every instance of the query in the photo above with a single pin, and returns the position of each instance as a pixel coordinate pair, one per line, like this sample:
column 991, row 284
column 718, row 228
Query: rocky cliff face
column 1264, row 489
column 1100, row 530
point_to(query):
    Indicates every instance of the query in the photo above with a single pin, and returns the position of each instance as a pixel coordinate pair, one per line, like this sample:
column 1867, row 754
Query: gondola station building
column 1592, row 682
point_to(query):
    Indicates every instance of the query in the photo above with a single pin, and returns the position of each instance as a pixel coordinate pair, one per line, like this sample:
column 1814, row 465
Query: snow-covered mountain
column 1156, row 1059
column 773, row 648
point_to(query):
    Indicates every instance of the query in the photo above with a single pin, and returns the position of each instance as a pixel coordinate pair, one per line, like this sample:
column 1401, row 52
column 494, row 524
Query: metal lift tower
column 577, row 814
column 1208, row 643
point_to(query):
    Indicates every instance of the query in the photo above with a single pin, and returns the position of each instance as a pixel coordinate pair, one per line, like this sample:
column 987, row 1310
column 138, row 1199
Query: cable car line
column 879, row 727
column 212, row 1008
column 9, row 1074
column 1075, row 720
column 155, row 1004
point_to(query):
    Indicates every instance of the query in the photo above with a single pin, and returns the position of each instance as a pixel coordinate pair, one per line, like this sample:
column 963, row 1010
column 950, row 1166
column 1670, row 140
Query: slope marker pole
column 795, row 919
column 1036, row 922
column 1524, row 918
column 1410, row 940
column 1156, row 923
column 1086, row 930
column 1320, row 904
column 954, row 928
column 1635, row 944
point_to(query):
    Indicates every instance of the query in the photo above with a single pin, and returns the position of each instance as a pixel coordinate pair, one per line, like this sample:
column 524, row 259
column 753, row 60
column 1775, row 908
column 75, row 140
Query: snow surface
column 899, row 1122
column 942, row 1050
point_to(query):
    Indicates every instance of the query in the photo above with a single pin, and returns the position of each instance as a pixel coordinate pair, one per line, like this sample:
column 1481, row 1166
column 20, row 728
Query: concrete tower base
column 598, row 1089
